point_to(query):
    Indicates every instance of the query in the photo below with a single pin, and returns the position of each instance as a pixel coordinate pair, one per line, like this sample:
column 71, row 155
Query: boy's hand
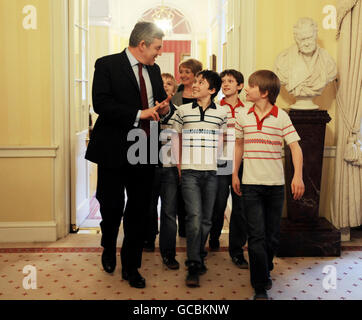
column 297, row 188
column 236, row 184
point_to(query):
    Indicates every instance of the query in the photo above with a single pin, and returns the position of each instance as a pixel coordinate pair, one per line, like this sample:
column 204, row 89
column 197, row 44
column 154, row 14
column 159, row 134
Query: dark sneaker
column 269, row 284
column 192, row 279
column 170, row 263
column 214, row 244
column 260, row 294
column 202, row 269
column 240, row 262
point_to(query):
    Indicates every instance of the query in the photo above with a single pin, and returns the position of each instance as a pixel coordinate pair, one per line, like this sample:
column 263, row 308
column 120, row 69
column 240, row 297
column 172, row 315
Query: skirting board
column 23, row 231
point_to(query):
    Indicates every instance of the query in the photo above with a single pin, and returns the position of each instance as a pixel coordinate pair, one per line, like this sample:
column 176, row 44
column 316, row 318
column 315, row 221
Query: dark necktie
column 145, row 124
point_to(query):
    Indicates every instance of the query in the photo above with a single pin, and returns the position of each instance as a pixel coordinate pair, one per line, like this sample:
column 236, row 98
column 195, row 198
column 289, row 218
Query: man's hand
column 164, row 106
column 236, row 184
column 150, row 114
column 297, row 188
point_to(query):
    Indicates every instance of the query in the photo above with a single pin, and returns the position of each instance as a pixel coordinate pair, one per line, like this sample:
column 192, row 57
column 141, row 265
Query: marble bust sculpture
column 305, row 68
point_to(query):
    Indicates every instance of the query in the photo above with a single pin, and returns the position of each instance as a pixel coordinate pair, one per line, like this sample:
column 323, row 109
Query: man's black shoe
column 109, row 260
column 171, row 263
column 240, row 262
column 214, row 244
column 149, row 246
column 134, row 278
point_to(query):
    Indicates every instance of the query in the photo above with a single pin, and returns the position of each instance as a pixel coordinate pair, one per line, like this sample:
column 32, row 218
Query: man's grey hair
column 305, row 22
column 146, row 31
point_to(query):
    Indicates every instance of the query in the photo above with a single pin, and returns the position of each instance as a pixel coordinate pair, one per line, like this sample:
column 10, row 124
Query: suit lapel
column 127, row 69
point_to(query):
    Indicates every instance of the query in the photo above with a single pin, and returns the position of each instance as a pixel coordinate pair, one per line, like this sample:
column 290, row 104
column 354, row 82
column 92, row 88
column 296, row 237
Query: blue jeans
column 199, row 190
column 169, row 207
column 263, row 211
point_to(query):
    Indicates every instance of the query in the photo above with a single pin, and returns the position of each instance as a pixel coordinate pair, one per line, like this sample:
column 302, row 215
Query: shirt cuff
column 137, row 118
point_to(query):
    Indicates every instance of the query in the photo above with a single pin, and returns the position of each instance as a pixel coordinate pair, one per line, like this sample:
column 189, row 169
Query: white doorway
column 79, row 110
column 166, row 62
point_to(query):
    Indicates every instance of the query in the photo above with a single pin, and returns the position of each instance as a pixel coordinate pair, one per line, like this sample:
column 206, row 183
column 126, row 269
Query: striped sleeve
column 178, row 122
column 239, row 132
column 224, row 124
column 288, row 131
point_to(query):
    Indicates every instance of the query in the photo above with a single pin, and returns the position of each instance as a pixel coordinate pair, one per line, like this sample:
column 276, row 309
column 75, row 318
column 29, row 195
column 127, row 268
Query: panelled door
column 79, row 109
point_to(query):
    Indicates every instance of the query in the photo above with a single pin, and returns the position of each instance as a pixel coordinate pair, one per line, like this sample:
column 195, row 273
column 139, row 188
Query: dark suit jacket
column 117, row 99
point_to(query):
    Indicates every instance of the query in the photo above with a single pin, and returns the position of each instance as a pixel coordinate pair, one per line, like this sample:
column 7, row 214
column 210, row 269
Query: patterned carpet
column 76, row 273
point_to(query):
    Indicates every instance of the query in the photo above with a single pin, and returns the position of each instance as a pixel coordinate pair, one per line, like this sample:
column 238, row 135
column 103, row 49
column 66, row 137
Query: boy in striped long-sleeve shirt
column 260, row 131
column 200, row 126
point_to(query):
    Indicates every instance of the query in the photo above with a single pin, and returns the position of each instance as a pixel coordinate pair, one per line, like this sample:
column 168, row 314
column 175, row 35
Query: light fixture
column 163, row 17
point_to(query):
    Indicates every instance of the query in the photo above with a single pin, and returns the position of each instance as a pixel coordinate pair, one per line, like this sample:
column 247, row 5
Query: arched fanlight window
column 170, row 20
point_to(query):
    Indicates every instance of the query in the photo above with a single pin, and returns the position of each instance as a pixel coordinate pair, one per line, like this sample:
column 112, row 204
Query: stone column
column 303, row 232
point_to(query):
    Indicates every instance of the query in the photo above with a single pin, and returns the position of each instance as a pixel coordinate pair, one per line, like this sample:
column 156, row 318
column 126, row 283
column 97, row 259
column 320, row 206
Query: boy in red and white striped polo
column 232, row 82
column 260, row 131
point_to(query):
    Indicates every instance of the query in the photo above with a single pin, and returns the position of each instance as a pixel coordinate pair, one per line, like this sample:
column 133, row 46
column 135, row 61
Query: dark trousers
column 238, row 226
column 152, row 220
column 169, row 210
column 263, row 210
column 111, row 184
column 181, row 212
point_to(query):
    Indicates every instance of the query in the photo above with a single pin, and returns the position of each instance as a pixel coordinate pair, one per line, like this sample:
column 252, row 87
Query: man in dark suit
column 127, row 88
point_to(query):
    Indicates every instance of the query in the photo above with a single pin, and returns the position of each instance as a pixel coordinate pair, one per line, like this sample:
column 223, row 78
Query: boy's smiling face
column 200, row 88
column 168, row 85
column 230, row 86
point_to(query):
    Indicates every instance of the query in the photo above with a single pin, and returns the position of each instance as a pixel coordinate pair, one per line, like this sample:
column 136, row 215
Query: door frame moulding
column 60, row 114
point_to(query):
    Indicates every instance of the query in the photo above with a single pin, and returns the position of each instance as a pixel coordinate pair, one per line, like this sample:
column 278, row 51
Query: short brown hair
column 266, row 80
column 213, row 79
column 194, row 65
column 172, row 78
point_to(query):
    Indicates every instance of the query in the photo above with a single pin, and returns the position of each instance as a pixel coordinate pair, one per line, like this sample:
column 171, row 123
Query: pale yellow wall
column 25, row 76
column 26, row 184
column 202, row 52
column 274, row 30
column 118, row 43
column 215, row 43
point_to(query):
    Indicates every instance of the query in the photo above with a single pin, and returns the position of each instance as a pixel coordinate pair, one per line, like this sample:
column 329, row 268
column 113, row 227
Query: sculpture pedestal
column 303, row 233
